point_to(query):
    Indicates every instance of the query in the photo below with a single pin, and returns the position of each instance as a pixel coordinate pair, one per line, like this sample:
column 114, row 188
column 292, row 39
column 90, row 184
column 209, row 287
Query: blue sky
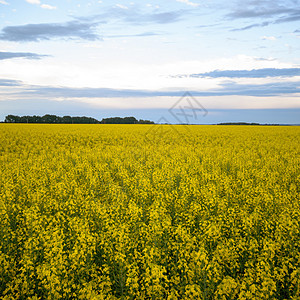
column 239, row 60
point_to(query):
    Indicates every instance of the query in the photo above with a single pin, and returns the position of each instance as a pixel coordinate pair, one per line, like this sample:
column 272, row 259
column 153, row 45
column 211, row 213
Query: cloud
column 264, row 59
column 136, row 17
column 188, row 3
column 9, row 82
column 38, row 2
column 147, row 34
column 47, row 31
column 3, row 2
column 46, row 6
column 263, row 24
column 121, row 6
column 224, row 89
column 294, row 16
column 260, row 90
column 256, row 73
column 254, row 13
column 264, row 8
column 163, row 18
column 143, row 34
column 276, row 11
column 159, row 18
column 10, row 55
column 269, row 38
column 21, row 99
column 33, row 1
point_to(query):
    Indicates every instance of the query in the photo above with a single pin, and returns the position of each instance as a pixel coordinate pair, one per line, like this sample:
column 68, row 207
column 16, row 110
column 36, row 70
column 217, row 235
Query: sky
column 171, row 61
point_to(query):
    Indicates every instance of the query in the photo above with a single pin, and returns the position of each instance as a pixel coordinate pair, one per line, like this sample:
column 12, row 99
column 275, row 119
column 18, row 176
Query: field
column 149, row 212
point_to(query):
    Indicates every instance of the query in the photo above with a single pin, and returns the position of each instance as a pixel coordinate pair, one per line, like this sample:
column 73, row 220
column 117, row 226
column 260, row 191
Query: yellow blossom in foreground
column 122, row 212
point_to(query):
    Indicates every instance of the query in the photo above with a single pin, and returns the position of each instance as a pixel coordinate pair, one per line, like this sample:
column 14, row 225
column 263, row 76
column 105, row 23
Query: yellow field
column 149, row 212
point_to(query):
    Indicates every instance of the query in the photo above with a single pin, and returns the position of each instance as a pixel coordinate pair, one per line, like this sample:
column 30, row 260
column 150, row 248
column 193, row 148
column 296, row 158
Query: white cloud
column 269, row 38
column 122, row 6
column 3, row 2
column 188, row 3
column 93, row 45
column 133, row 75
column 46, row 6
column 116, row 75
column 34, row 1
column 38, row 2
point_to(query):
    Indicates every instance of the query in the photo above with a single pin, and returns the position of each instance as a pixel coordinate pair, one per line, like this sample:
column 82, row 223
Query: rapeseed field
column 133, row 212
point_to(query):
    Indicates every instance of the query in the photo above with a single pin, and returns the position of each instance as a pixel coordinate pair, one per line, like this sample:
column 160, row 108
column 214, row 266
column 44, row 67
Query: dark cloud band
column 28, row 55
column 257, row 73
column 225, row 89
column 272, row 12
column 47, row 31
column 136, row 17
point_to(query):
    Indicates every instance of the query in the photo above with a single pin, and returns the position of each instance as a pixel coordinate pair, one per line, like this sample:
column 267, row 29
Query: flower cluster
column 112, row 212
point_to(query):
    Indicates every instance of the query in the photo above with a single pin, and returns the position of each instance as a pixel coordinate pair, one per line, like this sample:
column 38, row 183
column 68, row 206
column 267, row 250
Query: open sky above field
column 239, row 59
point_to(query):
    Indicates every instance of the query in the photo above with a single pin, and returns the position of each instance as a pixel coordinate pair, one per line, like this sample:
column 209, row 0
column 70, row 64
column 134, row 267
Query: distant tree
column 12, row 119
column 37, row 119
column 50, row 119
column 238, row 123
column 118, row 120
column 66, row 120
column 84, row 120
column 53, row 119
column 130, row 120
column 145, row 122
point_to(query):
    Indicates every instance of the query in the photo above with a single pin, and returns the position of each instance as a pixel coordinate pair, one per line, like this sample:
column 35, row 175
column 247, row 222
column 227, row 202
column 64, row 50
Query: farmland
column 149, row 212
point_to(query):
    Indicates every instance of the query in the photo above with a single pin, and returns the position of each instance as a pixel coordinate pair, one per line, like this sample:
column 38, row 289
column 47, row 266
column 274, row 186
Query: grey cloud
column 148, row 34
column 84, row 27
column 9, row 82
column 136, row 17
column 264, row 59
column 254, row 13
column 262, row 90
column 47, row 31
column 28, row 55
column 159, row 18
column 263, row 24
column 163, row 18
column 86, row 92
column 256, row 73
column 208, row 26
column 295, row 16
column 292, row 18
column 276, row 11
column 231, row 88
column 225, row 89
column 264, row 8
column 143, row 34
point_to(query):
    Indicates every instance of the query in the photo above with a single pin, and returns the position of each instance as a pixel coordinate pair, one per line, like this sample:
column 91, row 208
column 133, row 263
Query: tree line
column 53, row 119
column 238, row 123
column 245, row 123
column 126, row 120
